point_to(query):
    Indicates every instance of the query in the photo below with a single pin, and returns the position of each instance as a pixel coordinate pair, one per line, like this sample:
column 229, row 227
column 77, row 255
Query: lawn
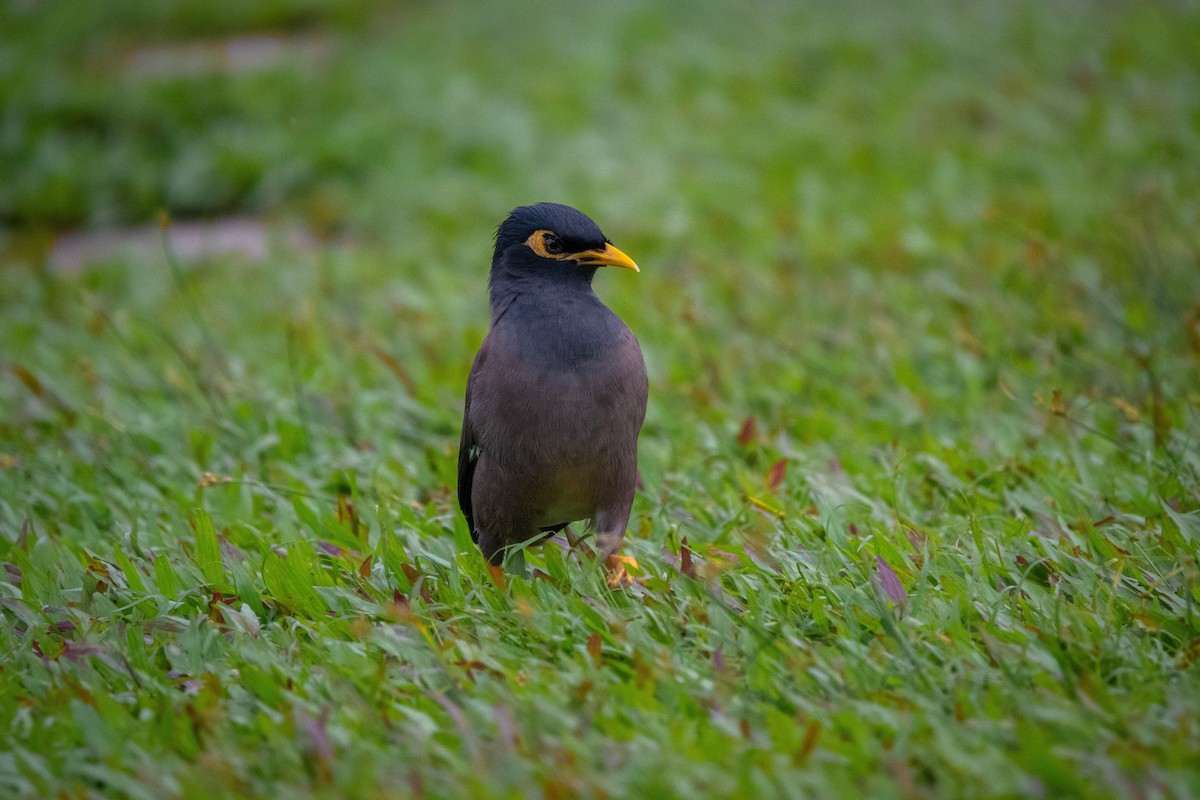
column 920, row 304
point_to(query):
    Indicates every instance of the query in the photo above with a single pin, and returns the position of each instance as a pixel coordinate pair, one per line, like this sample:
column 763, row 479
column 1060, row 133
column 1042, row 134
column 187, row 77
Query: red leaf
column 776, row 474
column 685, row 559
column 889, row 582
column 748, row 431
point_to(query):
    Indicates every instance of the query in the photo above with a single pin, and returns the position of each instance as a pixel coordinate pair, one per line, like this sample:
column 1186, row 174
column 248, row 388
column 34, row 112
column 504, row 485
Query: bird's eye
column 552, row 244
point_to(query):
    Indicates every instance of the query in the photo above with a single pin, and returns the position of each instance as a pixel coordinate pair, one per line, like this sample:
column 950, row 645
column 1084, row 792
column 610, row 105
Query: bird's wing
column 468, row 457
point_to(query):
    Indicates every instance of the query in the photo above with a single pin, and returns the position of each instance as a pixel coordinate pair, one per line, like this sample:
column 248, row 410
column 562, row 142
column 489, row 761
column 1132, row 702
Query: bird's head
column 553, row 243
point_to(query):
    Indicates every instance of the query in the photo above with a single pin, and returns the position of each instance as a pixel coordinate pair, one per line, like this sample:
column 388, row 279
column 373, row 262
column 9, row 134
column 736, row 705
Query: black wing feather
column 468, row 457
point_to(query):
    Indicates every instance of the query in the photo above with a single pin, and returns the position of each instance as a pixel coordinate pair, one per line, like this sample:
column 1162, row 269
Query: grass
column 919, row 302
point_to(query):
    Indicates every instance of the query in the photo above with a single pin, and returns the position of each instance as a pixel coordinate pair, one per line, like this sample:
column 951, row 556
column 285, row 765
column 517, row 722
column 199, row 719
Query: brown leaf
column 39, row 390
column 811, row 734
column 395, row 367
column 413, row 574
column 401, row 609
column 1118, row 549
column 364, row 569
column 748, row 431
column 593, row 646
column 776, row 474
column 214, row 608
column 472, row 667
column 1035, row 253
column 497, row 576
column 30, row 380
column 346, row 512
column 415, row 783
column 1057, row 406
column 685, row 559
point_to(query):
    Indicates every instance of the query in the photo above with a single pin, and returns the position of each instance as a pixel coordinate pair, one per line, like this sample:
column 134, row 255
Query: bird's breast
column 571, row 406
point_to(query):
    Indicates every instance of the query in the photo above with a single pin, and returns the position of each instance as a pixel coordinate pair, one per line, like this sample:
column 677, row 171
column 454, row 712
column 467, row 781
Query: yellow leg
column 618, row 576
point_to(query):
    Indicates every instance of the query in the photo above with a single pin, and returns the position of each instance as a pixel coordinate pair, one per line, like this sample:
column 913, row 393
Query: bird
column 556, row 396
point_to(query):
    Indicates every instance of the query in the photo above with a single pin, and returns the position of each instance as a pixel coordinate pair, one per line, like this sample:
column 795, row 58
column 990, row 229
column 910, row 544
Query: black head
column 552, row 243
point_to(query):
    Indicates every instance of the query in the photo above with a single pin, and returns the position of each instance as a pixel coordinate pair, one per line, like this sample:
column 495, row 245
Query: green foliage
column 919, row 295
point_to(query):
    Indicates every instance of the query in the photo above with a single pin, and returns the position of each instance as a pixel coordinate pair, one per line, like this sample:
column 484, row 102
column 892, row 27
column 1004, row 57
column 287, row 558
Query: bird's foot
column 618, row 577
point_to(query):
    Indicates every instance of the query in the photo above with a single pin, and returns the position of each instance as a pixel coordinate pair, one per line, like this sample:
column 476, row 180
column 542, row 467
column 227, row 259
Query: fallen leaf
column 685, row 559
column 776, row 474
column 811, row 734
column 497, row 576
column 748, row 431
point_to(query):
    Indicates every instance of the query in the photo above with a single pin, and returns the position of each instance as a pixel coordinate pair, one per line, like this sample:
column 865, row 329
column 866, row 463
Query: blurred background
column 920, row 302
column 798, row 179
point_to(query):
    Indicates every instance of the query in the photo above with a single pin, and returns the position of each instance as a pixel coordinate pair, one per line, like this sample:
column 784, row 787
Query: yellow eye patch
column 546, row 244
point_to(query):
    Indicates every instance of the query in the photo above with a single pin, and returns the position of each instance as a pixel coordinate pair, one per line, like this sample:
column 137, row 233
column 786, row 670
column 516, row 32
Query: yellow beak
column 608, row 257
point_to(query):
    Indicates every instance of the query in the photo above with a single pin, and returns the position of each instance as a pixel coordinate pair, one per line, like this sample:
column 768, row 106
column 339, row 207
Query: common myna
column 557, row 394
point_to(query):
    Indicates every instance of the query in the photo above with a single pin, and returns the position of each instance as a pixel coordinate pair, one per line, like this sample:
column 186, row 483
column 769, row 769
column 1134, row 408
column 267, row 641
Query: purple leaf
column 318, row 734
column 329, row 548
column 889, row 582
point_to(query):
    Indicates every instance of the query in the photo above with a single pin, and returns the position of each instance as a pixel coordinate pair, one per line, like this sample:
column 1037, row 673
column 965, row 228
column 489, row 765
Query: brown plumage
column 557, row 393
